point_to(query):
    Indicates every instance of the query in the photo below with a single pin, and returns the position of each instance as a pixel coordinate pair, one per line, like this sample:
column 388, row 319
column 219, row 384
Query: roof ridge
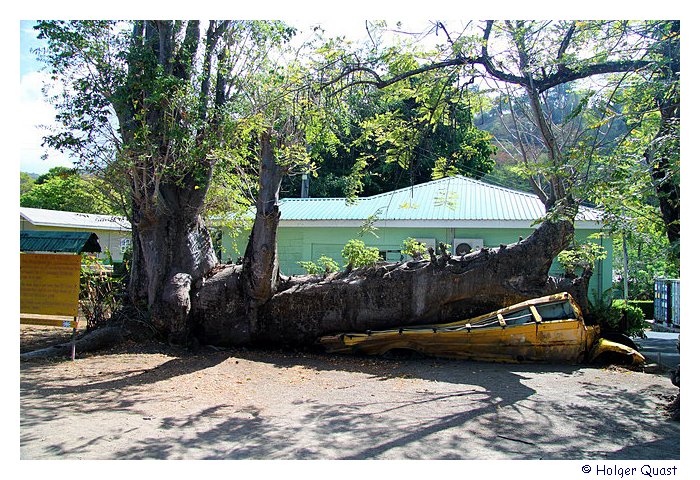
column 499, row 187
column 420, row 185
column 67, row 212
column 289, row 199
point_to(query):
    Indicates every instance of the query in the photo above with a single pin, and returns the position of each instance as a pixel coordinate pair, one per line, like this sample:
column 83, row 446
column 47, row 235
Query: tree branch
column 565, row 44
column 565, row 74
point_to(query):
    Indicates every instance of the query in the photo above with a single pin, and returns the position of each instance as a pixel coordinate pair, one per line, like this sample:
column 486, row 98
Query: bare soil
column 147, row 401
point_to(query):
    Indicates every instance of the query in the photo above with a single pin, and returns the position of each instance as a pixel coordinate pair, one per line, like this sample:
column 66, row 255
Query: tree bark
column 260, row 273
column 260, row 264
column 446, row 289
column 174, row 253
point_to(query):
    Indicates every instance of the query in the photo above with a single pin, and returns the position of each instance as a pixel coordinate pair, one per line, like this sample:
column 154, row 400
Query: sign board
column 49, row 284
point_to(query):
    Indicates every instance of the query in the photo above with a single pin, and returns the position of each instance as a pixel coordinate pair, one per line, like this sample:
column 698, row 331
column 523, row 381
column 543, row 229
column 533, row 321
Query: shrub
column 327, row 264
column 99, row 293
column 647, row 307
column 625, row 318
column 357, row 254
column 310, row 267
column 324, row 265
column 414, row 248
column 614, row 316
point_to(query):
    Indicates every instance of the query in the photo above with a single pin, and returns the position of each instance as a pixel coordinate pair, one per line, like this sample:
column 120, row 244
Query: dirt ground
column 152, row 402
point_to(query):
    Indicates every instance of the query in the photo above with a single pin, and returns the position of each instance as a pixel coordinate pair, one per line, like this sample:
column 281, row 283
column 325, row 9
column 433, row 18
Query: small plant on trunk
column 323, row 266
column 581, row 257
column 357, row 254
column 414, row 248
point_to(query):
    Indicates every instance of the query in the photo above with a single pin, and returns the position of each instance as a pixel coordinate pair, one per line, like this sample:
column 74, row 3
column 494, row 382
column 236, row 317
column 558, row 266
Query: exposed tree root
column 99, row 339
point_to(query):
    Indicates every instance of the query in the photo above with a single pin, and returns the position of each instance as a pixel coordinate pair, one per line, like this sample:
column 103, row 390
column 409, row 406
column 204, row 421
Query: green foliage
column 66, row 190
column 175, row 120
column 581, row 257
column 26, row 183
column 614, row 316
column 393, row 137
column 414, row 248
column 646, row 306
column 368, row 225
column 56, row 172
column 323, row 266
column 625, row 318
column 327, row 264
column 310, row 267
column 648, row 259
column 474, row 154
column 100, row 293
column 357, row 254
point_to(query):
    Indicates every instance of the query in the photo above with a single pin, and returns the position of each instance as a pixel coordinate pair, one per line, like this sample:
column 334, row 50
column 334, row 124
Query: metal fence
column 667, row 301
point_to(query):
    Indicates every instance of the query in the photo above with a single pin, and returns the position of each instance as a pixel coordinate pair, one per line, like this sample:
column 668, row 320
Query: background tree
column 403, row 138
column 26, row 182
column 66, row 189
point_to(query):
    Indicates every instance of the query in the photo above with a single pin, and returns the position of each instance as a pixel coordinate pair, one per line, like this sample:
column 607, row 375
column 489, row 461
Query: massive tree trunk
column 442, row 289
column 174, row 253
column 169, row 172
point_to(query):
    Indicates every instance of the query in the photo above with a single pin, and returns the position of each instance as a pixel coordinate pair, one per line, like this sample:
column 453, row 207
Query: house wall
column 109, row 239
column 296, row 244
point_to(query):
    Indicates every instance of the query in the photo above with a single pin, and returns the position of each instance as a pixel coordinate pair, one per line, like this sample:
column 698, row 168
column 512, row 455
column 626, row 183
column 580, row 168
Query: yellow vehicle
column 549, row 329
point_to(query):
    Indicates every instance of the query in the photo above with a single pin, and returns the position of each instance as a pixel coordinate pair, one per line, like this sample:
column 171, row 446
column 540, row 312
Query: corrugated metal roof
column 56, row 218
column 451, row 198
column 56, row 241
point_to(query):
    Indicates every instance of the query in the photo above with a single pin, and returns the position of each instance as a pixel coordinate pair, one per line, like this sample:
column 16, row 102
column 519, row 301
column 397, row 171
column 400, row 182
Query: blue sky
column 34, row 111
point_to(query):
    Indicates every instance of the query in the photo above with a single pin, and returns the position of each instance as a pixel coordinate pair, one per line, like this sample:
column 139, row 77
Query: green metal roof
column 62, row 242
column 451, row 198
column 75, row 220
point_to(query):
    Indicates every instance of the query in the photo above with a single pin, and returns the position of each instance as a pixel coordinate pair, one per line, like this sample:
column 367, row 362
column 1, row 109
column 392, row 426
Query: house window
column 124, row 244
column 391, row 255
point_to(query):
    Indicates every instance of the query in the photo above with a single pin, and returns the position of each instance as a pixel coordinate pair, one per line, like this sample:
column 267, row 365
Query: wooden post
column 72, row 341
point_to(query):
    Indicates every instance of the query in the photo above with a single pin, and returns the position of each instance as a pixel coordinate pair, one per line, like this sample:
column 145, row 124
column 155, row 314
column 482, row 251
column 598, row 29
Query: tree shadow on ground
column 479, row 411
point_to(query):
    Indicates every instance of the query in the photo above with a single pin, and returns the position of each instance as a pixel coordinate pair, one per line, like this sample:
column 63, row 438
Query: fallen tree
column 444, row 288
column 171, row 96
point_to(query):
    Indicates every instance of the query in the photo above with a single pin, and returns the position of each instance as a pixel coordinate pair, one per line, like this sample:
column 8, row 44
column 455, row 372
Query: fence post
column 669, row 303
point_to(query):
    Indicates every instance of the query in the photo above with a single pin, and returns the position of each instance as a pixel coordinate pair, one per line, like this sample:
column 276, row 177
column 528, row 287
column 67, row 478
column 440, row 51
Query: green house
column 462, row 212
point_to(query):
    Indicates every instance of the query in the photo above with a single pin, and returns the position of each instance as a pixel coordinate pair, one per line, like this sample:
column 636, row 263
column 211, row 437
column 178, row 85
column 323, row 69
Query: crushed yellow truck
column 546, row 329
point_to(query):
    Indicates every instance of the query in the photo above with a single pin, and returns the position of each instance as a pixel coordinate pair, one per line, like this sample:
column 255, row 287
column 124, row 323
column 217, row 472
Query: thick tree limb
column 563, row 73
column 93, row 341
column 305, row 308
